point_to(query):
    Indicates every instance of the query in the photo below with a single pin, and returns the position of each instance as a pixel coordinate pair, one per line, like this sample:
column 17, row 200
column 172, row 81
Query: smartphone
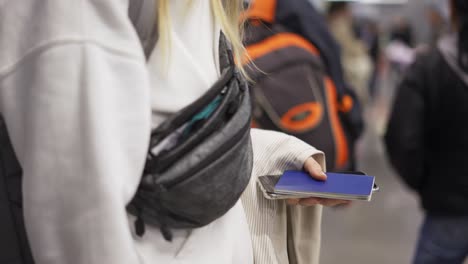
column 267, row 186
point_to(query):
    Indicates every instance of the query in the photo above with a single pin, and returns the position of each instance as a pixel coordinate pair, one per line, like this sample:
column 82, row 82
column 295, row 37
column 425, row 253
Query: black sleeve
column 405, row 132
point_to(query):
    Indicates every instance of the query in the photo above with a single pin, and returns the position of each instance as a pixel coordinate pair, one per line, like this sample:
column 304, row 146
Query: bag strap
column 142, row 13
column 226, row 57
column 228, row 72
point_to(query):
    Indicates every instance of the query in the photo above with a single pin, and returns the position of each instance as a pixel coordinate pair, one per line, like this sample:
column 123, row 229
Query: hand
column 316, row 172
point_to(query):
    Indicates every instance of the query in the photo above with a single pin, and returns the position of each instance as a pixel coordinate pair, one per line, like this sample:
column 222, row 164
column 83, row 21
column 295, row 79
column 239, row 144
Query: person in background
column 369, row 32
column 427, row 142
column 438, row 23
column 357, row 63
column 400, row 51
column 402, row 31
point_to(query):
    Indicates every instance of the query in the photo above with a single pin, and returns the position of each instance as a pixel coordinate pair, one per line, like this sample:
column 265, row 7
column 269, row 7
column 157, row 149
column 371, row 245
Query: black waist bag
column 203, row 176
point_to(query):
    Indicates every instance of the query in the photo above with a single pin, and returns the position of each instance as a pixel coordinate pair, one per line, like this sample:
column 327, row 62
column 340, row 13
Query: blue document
column 337, row 186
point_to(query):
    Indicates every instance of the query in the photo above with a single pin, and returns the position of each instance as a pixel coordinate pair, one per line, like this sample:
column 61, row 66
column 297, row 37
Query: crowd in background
column 426, row 131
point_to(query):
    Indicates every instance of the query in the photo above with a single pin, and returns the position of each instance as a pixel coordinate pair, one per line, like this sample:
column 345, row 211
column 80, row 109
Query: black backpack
column 14, row 246
column 293, row 90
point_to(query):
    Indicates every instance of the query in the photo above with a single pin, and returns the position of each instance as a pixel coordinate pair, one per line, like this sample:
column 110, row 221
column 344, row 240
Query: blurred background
column 385, row 230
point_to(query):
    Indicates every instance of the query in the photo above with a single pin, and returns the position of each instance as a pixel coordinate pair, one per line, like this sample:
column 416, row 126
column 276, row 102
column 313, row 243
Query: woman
column 427, row 143
column 76, row 94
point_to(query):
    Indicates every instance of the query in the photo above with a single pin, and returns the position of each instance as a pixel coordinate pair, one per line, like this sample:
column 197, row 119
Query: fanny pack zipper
column 208, row 160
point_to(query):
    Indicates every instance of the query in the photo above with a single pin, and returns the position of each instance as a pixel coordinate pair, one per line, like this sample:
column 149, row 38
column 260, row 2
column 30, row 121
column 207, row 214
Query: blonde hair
column 226, row 12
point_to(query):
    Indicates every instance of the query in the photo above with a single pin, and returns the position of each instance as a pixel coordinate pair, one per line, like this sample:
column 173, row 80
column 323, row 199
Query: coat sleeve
column 276, row 151
column 404, row 138
column 74, row 93
column 281, row 233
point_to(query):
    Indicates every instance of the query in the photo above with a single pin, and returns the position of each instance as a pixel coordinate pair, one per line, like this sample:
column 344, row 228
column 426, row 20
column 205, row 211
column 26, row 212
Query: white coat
column 77, row 97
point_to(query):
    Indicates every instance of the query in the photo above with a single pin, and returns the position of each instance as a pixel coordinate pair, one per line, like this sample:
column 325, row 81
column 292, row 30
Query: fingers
column 321, row 201
column 293, row 201
column 314, row 169
column 309, row 201
column 332, row 202
column 344, row 205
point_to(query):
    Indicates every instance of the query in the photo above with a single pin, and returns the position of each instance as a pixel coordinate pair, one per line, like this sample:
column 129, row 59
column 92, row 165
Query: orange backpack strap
column 278, row 41
column 264, row 10
column 342, row 147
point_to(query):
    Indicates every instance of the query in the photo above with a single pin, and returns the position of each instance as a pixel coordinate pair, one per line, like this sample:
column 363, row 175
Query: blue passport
column 337, row 186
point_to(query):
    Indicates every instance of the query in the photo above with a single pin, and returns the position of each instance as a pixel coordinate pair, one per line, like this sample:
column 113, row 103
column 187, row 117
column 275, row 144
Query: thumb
column 314, row 169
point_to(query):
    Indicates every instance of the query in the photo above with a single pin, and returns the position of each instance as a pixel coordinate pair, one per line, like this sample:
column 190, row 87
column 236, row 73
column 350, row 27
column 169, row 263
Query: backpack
column 154, row 202
column 293, row 90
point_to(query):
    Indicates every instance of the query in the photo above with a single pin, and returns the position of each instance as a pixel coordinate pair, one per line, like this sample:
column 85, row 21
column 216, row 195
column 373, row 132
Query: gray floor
column 384, row 230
